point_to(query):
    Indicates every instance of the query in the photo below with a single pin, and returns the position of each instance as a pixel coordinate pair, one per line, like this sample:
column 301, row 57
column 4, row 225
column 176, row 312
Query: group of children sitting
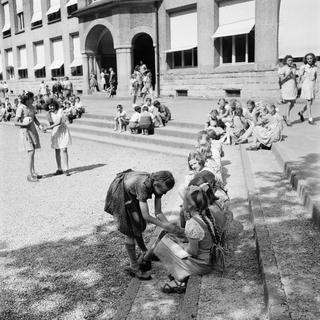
column 7, row 110
column 144, row 119
column 232, row 123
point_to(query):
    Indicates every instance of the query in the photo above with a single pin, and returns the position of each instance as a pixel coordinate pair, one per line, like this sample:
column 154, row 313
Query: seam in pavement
column 299, row 184
column 274, row 294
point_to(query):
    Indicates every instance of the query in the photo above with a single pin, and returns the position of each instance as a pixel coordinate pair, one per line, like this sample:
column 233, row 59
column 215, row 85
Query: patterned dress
column 29, row 135
column 289, row 88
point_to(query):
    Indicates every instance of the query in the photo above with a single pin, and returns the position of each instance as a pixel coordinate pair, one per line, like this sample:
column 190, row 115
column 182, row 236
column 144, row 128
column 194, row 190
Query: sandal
column 58, row 172
column 178, row 288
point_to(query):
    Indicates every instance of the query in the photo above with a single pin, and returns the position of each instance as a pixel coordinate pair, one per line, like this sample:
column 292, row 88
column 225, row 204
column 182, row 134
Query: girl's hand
column 170, row 227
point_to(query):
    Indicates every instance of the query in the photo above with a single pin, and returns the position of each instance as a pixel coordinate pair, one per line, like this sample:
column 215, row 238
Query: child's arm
column 162, row 224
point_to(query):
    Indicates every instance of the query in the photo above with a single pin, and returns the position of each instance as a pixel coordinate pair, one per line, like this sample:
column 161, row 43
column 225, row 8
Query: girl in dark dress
column 127, row 201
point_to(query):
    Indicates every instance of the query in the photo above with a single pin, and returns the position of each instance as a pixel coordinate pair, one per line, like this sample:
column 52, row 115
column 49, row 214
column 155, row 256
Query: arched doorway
column 143, row 50
column 99, row 43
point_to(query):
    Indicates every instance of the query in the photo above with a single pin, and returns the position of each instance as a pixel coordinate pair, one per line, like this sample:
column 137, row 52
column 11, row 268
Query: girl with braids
column 127, row 201
column 204, row 230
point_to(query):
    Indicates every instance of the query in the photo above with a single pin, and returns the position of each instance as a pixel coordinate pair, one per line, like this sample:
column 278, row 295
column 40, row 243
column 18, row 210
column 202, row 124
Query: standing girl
column 127, row 201
column 60, row 136
column 308, row 76
column 287, row 81
column 26, row 120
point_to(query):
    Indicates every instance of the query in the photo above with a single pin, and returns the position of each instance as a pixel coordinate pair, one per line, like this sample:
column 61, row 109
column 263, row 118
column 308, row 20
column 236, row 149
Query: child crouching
column 134, row 122
column 146, row 121
column 120, row 121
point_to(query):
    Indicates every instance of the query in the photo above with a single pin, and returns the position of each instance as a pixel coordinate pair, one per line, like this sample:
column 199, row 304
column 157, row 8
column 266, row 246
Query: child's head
column 137, row 109
column 203, row 138
column 195, row 161
column 234, row 103
column 213, row 135
column 52, row 105
column 6, row 99
column 145, row 108
column 238, row 112
column 271, row 108
column 206, row 182
column 148, row 101
column 250, row 105
column 287, row 60
column 222, row 102
column 214, row 114
column 119, row 108
column 77, row 99
column 162, row 182
column 156, row 103
column 310, row 58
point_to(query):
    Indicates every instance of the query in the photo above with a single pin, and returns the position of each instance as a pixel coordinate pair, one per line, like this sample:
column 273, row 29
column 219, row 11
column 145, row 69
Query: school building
column 198, row 48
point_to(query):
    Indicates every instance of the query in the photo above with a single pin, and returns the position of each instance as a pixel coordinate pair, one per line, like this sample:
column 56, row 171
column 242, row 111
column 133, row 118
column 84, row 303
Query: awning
column 72, row 2
column 53, row 9
column 6, row 27
column 22, row 68
column 37, row 16
column 76, row 62
column 180, row 49
column 38, row 66
column 232, row 29
column 56, row 64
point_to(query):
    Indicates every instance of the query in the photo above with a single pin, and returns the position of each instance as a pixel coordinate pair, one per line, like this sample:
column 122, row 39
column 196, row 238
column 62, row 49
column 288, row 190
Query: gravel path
column 295, row 240
column 60, row 254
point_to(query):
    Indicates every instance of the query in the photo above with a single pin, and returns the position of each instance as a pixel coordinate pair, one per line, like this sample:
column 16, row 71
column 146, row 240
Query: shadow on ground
column 76, row 279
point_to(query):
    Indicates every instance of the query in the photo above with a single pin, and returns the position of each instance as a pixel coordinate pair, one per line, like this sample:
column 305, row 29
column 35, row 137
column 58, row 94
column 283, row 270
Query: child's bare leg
column 131, row 250
column 115, row 124
column 65, row 158
column 309, row 103
column 290, row 106
column 31, row 161
column 58, row 158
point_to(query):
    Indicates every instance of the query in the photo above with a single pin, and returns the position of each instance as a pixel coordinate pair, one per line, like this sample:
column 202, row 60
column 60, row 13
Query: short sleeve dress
column 29, row 135
column 60, row 137
column 309, row 76
column 289, row 88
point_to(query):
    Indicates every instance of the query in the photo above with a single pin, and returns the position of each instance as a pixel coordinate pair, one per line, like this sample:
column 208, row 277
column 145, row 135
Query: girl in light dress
column 60, row 136
column 308, row 76
column 287, row 81
column 26, row 120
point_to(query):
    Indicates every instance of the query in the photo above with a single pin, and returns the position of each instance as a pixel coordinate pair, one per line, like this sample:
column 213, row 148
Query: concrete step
column 288, row 241
column 132, row 144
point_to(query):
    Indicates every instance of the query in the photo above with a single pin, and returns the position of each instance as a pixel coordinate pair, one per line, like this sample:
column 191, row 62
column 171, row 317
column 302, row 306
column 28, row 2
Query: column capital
column 123, row 47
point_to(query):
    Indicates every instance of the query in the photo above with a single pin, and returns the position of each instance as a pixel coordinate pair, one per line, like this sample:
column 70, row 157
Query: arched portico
column 99, row 51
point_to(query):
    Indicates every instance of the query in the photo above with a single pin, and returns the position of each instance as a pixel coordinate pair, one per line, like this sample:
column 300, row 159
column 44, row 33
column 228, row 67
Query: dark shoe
column 67, row 172
column 58, row 172
column 133, row 272
column 37, row 176
column 179, row 287
column 32, row 179
column 300, row 114
column 311, row 121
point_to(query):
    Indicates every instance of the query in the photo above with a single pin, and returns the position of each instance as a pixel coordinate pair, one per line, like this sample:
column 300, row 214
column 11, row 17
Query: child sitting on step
column 214, row 123
column 121, row 120
column 146, row 121
column 134, row 122
column 205, row 230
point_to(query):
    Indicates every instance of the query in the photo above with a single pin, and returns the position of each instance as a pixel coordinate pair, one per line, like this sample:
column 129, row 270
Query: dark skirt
column 124, row 208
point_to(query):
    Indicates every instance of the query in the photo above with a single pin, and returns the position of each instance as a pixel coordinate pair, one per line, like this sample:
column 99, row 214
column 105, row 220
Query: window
column 22, row 63
column 10, row 64
column 6, row 30
column 36, row 20
column 39, row 68
column 237, row 49
column 40, row 73
column 183, row 50
column 76, row 64
column 57, row 67
column 235, row 35
column 183, row 59
column 54, row 12
column 72, row 6
column 20, row 17
column 58, row 72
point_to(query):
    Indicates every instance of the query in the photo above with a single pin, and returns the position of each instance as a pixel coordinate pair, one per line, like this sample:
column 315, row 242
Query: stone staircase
column 177, row 138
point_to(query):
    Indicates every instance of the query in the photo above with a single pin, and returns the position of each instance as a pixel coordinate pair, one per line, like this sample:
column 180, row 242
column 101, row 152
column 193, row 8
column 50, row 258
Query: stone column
column 91, row 64
column 123, row 54
column 207, row 17
column 266, row 33
column 86, row 73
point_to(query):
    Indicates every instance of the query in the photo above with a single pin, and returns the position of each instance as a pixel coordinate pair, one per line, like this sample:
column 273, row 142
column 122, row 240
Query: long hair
column 196, row 156
column 288, row 56
column 53, row 102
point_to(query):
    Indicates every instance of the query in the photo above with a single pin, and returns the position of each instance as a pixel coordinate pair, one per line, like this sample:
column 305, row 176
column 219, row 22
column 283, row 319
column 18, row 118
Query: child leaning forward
column 127, row 201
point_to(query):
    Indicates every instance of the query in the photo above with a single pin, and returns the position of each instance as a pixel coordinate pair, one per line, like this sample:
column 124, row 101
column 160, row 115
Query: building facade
column 200, row 48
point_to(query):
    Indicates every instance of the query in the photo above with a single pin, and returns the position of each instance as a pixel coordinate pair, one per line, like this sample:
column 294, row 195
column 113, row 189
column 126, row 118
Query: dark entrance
column 143, row 50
